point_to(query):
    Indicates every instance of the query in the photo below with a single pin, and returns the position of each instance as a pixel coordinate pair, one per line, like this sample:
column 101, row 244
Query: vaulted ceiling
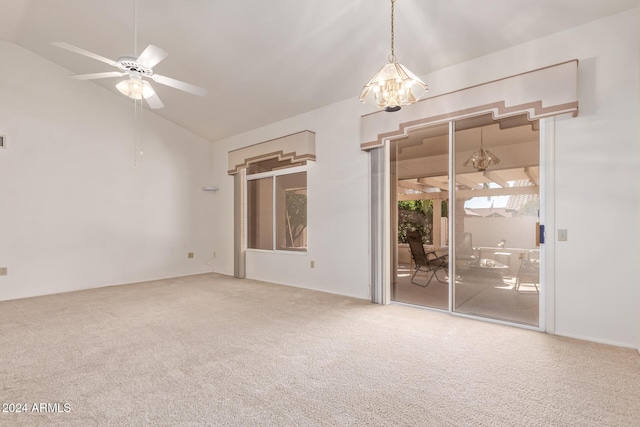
column 264, row 61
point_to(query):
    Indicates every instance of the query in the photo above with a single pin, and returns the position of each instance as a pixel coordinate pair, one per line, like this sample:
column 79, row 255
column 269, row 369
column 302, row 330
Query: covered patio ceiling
column 504, row 182
column 421, row 160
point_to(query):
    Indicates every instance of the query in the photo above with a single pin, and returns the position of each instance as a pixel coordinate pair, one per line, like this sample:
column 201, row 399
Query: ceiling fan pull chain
column 138, row 130
column 141, row 128
column 135, row 132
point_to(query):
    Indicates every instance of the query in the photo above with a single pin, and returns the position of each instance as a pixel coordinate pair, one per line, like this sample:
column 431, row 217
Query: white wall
column 597, row 190
column 74, row 210
column 597, row 187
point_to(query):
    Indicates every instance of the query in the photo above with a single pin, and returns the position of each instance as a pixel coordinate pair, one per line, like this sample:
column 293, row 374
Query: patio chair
column 529, row 271
column 464, row 247
column 428, row 262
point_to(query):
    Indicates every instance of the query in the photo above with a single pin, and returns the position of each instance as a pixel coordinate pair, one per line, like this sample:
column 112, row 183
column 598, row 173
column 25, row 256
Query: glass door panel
column 419, row 200
column 497, row 205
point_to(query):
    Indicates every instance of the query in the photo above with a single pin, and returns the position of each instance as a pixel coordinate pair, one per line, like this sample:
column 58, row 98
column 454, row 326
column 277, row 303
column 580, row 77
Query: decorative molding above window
column 287, row 151
column 539, row 93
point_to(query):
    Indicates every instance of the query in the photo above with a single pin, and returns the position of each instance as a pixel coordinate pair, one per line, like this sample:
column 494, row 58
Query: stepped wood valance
column 296, row 148
column 540, row 93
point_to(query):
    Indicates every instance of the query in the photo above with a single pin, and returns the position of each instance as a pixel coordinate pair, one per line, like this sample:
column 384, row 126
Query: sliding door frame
column 452, row 213
column 382, row 267
column 547, row 217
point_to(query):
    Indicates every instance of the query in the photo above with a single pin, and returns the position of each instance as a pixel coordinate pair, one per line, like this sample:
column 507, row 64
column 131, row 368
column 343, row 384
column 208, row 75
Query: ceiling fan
column 136, row 69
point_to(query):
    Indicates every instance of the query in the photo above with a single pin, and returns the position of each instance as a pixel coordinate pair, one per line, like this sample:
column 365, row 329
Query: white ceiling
column 263, row 61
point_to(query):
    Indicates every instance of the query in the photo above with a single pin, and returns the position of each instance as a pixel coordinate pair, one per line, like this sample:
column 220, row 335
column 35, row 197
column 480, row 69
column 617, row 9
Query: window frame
column 272, row 174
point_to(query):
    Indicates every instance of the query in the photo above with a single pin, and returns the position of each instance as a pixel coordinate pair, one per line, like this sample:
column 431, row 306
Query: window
column 277, row 210
column 260, row 213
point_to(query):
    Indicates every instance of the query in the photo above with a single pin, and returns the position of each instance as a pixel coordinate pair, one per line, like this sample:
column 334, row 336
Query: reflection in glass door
column 497, row 207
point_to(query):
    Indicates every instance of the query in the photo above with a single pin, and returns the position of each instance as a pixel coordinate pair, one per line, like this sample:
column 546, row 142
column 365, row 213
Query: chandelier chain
column 392, row 58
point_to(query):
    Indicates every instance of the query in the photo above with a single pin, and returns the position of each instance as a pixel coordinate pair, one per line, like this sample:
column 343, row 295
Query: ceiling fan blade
column 154, row 102
column 92, row 76
column 177, row 84
column 85, row 53
column 151, row 56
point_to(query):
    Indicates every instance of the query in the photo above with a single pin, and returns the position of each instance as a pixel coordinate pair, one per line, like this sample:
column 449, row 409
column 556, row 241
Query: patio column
column 436, row 224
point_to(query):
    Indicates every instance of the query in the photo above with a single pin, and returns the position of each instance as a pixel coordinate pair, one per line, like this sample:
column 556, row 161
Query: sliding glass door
column 478, row 252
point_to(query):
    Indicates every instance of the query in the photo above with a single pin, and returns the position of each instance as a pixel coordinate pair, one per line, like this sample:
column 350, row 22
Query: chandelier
column 393, row 85
column 482, row 158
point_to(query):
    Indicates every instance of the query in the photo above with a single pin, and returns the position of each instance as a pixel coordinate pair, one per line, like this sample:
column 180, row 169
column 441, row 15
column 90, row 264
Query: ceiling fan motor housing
column 130, row 64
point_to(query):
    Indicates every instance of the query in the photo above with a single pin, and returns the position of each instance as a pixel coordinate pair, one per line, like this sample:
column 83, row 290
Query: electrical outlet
column 214, row 254
column 3, row 271
column 190, row 255
column 313, row 264
column 562, row 235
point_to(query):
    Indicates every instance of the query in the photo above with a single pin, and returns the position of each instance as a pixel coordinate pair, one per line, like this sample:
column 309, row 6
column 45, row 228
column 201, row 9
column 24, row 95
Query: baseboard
column 598, row 340
column 106, row 285
column 309, row 288
column 153, row 280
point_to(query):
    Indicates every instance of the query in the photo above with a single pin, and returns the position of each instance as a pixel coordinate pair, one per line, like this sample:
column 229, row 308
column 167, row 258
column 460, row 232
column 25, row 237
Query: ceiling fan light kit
column 393, row 85
column 135, row 88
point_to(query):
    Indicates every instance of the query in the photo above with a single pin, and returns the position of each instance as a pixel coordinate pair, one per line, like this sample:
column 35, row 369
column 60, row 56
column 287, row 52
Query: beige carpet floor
column 212, row 350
